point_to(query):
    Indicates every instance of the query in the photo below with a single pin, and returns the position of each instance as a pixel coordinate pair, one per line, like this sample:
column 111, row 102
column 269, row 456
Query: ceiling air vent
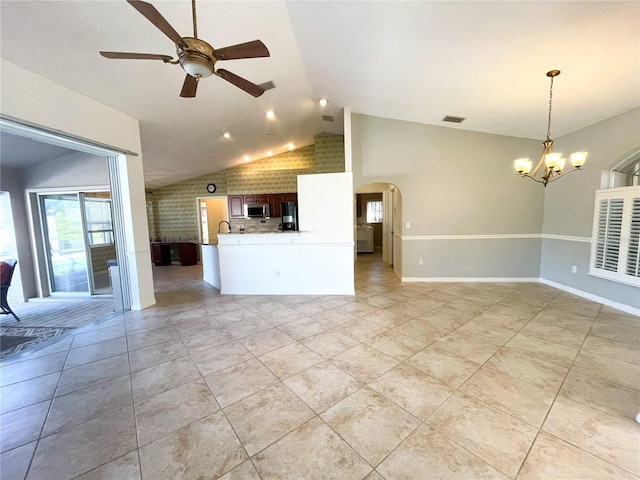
column 268, row 85
column 327, row 118
column 452, row 119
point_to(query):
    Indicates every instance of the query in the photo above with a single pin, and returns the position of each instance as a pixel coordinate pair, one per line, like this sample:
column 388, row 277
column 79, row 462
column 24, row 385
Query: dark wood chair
column 6, row 273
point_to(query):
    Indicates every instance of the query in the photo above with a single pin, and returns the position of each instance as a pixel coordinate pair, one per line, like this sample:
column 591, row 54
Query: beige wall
column 569, row 208
column 454, row 184
column 172, row 209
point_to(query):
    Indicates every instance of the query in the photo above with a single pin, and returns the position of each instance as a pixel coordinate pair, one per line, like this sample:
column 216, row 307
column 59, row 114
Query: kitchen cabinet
column 161, row 253
column 290, row 197
column 236, row 202
column 236, row 206
column 275, row 200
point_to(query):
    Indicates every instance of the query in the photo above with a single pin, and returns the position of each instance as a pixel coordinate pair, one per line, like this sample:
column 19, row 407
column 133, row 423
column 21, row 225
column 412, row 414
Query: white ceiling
column 415, row 61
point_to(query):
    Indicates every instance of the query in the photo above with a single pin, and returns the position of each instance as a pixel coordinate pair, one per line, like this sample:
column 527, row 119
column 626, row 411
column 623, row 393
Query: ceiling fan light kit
column 553, row 162
column 196, row 57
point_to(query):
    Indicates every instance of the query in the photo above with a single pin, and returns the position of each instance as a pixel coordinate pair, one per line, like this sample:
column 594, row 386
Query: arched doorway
column 379, row 205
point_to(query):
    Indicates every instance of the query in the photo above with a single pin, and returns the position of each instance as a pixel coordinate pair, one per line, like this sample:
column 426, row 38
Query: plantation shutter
column 615, row 250
column 633, row 256
column 608, row 234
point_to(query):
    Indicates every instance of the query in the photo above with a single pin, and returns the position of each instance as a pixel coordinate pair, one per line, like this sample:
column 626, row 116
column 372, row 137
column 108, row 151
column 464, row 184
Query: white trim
column 551, row 236
column 594, row 298
column 497, row 236
column 348, row 148
column 472, row 279
column 471, row 237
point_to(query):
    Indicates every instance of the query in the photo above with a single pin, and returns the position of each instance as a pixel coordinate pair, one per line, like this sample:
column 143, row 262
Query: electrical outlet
column 408, row 225
column 420, row 261
column 574, row 269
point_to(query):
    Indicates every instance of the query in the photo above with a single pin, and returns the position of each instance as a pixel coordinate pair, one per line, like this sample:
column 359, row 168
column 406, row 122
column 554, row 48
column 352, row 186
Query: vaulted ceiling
column 416, row 61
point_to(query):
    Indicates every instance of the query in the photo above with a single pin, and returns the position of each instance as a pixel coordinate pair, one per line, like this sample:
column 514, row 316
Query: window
column 615, row 246
column 98, row 218
column 374, row 212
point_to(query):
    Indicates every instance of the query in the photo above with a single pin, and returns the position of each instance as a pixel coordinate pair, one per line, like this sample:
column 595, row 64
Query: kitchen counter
column 285, row 263
column 245, row 238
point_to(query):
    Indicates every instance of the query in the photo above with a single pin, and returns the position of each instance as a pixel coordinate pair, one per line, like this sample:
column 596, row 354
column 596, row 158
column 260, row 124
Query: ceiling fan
column 195, row 56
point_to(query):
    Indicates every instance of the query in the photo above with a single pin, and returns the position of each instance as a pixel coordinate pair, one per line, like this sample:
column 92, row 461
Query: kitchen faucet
column 228, row 224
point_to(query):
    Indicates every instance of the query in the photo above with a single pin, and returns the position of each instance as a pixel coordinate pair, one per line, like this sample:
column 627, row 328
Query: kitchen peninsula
column 318, row 260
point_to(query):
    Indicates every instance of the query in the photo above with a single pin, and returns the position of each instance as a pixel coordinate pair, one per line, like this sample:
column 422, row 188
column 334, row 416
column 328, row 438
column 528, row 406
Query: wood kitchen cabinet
column 161, row 252
column 275, row 200
column 236, row 202
column 236, row 206
column 290, row 197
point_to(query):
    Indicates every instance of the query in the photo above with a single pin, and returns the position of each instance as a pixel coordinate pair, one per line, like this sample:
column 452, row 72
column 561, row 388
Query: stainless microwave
column 257, row 210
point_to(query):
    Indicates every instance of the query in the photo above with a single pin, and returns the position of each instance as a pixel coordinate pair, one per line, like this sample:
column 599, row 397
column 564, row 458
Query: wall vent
column 327, row 118
column 452, row 119
column 268, row 85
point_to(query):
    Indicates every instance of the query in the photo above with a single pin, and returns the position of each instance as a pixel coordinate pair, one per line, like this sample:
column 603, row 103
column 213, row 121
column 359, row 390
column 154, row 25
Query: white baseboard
column 559, row 286
column 592, row 297
column 471, row 279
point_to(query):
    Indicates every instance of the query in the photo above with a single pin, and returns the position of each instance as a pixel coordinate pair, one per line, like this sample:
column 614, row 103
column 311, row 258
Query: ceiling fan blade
column 154, row 16
column 246, row 85
column 137, row 56
column 189, row 87
column 252, row 49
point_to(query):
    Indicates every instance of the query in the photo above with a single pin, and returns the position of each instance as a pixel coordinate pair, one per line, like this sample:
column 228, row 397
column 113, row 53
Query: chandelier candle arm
column 553, row 162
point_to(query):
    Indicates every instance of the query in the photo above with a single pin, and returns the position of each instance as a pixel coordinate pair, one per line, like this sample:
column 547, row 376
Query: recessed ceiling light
column 271, row 115
column 226, row 135
column 291, row 146
column 323, row 102
column 246, row 158
column 269, row 153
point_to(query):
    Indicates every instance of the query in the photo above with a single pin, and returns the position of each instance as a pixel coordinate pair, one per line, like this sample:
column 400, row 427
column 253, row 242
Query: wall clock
column 211, row 188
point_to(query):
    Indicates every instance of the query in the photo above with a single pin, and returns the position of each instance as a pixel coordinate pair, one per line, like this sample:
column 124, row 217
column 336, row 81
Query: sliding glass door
column 64, row 242
column 79, row 241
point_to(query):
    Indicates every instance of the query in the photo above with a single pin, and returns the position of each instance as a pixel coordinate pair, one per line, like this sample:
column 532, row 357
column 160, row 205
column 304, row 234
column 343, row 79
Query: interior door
column 204, row 223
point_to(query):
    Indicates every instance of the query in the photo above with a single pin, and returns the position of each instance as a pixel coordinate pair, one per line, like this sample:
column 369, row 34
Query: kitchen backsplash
column 254, row 225
column 171, row 210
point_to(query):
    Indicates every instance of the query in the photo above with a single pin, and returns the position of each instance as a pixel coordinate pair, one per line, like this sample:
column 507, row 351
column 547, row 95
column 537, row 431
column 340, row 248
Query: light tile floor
column 402, row 381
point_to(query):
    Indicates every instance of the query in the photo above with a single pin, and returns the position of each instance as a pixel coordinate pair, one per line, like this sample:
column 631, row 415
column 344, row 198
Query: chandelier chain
column 549, row 118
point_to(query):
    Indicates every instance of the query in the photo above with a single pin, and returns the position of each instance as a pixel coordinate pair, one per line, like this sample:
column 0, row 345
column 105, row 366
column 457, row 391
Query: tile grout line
column 555, row 398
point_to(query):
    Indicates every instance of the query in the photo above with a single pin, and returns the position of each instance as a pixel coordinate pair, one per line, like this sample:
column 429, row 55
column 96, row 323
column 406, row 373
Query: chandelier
column 551, row 164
